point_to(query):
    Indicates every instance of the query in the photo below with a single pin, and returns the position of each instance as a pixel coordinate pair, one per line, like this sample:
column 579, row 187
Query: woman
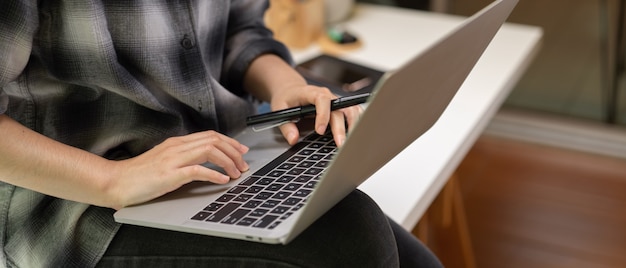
column 105, row 104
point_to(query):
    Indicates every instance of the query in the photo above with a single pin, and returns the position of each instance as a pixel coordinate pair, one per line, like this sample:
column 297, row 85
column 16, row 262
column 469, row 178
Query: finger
column 217, row 152
column 191, row 139
column 232, row 142
column 234, row 155
column 220, row 159
column 235, row 144
column 338, row 127
column 321, row 98
column 322, row 109
column 213, row 140
column 201, row 173
column 290, row 132
column 352, row 115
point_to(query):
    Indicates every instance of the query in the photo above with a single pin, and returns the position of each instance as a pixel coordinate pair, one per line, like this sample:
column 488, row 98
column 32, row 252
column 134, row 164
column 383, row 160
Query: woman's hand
column 297, row 95
column 33, row 161
column 269, row 78
column 174, row 163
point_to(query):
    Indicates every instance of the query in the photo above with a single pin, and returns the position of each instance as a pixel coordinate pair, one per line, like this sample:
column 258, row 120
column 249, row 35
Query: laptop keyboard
column 273, row 193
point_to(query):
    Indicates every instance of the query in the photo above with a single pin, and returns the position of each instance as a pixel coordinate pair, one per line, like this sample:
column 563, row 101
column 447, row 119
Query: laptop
column 288, row 188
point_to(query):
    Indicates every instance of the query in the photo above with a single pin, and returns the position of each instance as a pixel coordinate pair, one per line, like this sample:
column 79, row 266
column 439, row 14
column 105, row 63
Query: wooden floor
column 530, row 205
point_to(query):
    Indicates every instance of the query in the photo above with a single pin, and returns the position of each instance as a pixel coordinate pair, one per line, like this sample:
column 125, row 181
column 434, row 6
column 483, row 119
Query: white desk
column 390, row 37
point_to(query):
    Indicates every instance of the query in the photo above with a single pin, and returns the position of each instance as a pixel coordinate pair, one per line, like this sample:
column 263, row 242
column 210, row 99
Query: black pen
column 304, row 111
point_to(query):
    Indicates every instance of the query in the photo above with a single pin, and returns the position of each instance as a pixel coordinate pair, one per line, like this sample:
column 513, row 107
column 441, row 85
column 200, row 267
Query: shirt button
column 186, row 42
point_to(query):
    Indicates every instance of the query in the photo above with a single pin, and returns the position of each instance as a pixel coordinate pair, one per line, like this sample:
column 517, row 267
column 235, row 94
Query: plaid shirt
column 115, row 78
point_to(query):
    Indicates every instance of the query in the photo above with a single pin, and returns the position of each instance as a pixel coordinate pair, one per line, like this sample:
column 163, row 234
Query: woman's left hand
column 320, row 97
column 269, row 78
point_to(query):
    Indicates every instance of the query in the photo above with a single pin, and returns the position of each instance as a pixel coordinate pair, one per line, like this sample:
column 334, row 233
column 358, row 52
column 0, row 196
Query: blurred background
column 575, row 72
column 545, row 184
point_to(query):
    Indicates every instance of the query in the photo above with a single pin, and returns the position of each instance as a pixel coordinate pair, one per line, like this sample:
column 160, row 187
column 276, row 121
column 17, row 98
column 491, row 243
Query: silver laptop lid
column 405, row 104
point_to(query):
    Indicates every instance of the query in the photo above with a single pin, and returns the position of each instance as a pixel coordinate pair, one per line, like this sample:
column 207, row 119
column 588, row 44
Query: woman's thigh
column 354, row 233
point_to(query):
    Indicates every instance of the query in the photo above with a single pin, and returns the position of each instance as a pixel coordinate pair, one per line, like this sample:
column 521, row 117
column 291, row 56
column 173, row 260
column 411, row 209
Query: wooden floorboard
column 530, row 205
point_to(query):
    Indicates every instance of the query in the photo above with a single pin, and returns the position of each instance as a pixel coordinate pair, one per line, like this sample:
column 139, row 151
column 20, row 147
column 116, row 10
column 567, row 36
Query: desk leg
column 441, row 6
column 459, row 213
column 443, row 228
column 613, row 54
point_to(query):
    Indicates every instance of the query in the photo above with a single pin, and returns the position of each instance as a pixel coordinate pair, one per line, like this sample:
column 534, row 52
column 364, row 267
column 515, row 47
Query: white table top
column 406, row 186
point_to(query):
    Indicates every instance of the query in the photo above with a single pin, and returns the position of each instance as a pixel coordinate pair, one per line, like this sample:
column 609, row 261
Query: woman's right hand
column 173, row 163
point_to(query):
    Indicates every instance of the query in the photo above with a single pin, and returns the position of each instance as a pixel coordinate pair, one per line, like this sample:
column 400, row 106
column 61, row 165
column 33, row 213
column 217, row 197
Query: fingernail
column 244, row 148
column 321, row 129
column 339, row 140
column 233, row 174
column 246, row 167
column 291, row 137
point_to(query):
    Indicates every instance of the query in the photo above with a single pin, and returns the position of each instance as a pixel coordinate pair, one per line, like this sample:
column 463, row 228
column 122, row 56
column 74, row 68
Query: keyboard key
column 325, row 138
column 250, row 180
column 281, row 195
column 296, row 171
column 253, row 204
column 274, row 174
column 263, row 195
column 306, row 164
column 267, row 181
column 310, row 185
column 315, row 145
column 302, row 193
column 322, row 164
column 285, row 179
column 316, row 157
column 327, row 150
column 297, row 207
column 275, row 187
column 236, row 190
column 246, row 221
column 225, row 198
column 273, row 225
column 200, row 216
column 259, row 212
column 223, row 212
column 313, row 171
column 303, row 178
column 279, row 210
column 265, row 221
column 270, row 203
column 243, row 197
column 254, row 189
column 296, row 159
column 291, row 201
column 286, row 166
column 213, row 206
column 312, row 137
column 306, row 152
column 236, row 216
column 293, row 186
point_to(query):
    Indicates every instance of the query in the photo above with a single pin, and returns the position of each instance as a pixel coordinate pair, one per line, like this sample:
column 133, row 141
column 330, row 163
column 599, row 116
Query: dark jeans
column 355, row 233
